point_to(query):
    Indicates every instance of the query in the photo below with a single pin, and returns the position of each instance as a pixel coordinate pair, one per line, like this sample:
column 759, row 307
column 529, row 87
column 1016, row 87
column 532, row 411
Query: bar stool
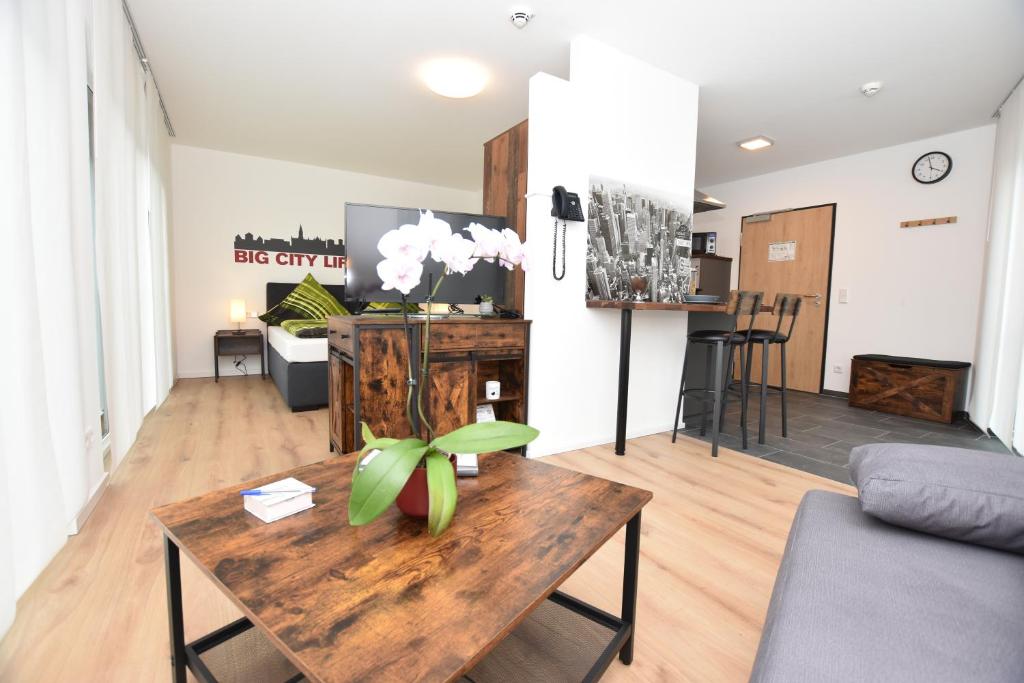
column 740, row 303
column 786, row 306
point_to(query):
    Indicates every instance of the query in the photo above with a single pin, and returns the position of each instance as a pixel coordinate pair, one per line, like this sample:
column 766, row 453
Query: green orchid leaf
column 442, row 491
column 376, row 487
column 379, row 444
column 367, row 434
column 484, row 437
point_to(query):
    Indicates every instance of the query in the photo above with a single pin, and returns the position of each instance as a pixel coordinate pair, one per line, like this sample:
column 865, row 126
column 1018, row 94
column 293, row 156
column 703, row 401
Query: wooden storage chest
column 915, row 387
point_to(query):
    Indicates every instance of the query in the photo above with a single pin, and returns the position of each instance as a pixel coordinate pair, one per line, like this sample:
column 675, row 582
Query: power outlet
column 838, row 369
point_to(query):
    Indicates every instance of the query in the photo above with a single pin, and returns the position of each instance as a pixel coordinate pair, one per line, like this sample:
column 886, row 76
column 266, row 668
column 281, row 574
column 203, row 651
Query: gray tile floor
column 822, row 430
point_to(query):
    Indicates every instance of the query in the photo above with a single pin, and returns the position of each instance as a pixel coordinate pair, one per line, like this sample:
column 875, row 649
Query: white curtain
column 997, row 396
column 44, row 211
column 132, row 199
column 49, row 416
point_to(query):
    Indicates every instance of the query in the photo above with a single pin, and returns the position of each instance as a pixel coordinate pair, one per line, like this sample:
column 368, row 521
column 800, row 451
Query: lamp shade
column 238, row 311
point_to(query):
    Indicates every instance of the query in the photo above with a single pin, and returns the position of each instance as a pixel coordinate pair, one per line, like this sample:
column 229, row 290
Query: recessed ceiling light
column 871, row 89
column 754, row 144
column 455, row 77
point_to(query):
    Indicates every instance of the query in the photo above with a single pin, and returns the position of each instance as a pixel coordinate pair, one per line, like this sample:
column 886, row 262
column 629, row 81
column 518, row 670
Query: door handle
column 816, row 297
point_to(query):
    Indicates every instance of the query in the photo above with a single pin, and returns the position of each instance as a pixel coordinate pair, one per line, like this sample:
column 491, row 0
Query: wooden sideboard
column 368, row 373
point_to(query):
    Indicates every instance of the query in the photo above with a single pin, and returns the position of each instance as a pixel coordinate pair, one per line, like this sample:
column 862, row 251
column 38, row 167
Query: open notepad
column 295, row 497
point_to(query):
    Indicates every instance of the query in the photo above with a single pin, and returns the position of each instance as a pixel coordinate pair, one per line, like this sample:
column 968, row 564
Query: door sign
column 782, row 251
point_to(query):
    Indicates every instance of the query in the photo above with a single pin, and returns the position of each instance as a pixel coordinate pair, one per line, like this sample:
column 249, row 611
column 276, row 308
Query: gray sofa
column 860, row 599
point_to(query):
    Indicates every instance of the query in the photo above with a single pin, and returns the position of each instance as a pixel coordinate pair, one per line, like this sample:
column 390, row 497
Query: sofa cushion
column 857, row 599
column 955, row 493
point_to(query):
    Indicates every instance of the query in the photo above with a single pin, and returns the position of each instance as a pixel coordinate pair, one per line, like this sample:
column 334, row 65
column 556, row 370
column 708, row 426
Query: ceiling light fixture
column 455, row 77
column 756, row 143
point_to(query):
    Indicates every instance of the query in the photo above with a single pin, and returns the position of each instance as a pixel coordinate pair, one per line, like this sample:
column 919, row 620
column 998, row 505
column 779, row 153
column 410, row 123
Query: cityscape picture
column 638, row 244
column 295, row 245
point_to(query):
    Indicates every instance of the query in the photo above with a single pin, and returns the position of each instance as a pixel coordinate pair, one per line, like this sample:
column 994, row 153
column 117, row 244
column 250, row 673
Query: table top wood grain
column 663, row 306
column 386, row 601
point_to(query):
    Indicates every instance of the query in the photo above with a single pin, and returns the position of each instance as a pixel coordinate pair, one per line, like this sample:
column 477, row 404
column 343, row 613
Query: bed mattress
column 296, row 350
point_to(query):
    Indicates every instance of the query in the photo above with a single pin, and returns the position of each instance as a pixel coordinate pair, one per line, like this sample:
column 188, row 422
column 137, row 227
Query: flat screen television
column 364, row 226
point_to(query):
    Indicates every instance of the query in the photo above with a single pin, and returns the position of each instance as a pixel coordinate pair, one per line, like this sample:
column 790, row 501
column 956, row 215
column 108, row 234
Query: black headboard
column 277, row 291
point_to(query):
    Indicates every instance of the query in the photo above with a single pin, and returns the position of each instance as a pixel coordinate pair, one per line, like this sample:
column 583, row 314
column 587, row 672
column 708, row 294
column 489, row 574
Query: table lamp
column 238, row 314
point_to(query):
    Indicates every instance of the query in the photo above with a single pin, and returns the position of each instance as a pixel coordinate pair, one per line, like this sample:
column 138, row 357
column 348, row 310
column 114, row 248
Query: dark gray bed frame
column 302, row 385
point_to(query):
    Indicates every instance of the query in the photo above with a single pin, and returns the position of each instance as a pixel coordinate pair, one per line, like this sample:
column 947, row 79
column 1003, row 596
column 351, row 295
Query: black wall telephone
column 564, row 205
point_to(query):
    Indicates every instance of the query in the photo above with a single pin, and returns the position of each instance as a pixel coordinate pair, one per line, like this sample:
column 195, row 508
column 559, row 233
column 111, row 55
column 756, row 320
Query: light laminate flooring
column 711, row 542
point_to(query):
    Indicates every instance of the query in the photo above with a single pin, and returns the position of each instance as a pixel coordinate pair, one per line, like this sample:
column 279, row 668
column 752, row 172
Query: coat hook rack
column 944, row 220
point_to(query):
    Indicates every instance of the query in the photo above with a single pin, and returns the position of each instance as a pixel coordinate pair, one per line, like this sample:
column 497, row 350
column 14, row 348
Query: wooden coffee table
column 386, row 601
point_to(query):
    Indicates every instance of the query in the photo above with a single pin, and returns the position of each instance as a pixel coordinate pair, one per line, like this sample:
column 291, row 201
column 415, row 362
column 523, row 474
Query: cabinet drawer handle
column 901, row 367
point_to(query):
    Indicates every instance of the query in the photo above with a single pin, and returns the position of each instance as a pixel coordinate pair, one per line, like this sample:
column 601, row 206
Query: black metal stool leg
column 782, row 352
column 744, row 380
column 717, row 407
column 726, row 384
column 707, row 387
column 682, row 389
column 764, row 392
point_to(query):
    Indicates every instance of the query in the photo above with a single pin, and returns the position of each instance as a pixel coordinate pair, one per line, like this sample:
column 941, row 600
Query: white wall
column 623, row 119
column 218, row 195
column 912, row 292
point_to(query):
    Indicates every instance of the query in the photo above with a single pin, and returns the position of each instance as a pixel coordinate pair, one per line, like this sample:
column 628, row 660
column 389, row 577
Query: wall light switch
column 254, row 314
column 838, row 369
column 844, row 296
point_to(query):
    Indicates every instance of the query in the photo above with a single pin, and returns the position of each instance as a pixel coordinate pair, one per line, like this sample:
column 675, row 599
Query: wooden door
column 450, row 402
column 791, row 252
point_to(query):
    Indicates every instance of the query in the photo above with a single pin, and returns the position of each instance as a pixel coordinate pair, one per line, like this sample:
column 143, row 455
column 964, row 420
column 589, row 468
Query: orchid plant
column 378, row 482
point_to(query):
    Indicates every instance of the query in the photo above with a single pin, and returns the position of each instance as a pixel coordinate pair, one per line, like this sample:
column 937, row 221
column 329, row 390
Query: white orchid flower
column 457, row 253
column 488, row 242
column 405, row 242
column 401, row 273
column 437, row 232
column 511, row 252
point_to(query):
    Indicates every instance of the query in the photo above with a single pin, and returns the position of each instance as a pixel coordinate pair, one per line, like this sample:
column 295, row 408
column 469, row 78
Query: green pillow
column 308, row 301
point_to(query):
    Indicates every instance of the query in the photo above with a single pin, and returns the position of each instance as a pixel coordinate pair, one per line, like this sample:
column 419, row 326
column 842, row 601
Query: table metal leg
column 629, row 581
column 625, row 332
column 179, row 661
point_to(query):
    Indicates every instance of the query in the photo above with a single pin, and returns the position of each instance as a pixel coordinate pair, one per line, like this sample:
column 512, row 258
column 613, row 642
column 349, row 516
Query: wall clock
column 932, row 167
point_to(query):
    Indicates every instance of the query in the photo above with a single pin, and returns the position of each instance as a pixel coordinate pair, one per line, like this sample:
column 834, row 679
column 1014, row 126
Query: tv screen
column 364, row 226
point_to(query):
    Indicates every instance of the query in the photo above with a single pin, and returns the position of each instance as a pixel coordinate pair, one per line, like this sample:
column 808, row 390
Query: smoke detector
column 870, row 89
column 521, row 17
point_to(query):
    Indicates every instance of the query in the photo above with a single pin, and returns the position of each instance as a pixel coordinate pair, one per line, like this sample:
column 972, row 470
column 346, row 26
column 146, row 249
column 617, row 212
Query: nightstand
column 231, row 343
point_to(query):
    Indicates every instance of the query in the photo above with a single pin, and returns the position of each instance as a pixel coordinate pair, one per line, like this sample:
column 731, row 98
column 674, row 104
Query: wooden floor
column 710, row 547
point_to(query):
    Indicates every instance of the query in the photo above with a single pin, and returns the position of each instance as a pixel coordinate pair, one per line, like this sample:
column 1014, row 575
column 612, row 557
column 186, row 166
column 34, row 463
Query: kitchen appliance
column 705, row 243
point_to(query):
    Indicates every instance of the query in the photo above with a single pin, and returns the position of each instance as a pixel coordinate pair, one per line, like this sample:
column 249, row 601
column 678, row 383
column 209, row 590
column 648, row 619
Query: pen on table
column 258, row 492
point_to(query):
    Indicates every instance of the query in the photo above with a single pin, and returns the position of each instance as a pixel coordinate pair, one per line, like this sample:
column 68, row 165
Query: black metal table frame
column 187, row 656
column 622, row 407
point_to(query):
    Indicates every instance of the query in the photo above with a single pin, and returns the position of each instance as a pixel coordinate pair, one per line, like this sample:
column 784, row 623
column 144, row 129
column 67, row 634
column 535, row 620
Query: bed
column 299, row 366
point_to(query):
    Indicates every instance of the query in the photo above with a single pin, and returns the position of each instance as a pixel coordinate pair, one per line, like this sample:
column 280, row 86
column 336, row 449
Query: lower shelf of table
column 564, row 639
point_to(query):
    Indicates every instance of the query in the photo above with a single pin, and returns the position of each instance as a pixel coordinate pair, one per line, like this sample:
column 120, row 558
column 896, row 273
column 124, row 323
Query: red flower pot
column 413, row 499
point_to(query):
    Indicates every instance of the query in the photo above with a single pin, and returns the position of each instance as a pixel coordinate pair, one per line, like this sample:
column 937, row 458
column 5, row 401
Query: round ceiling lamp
column 455, row 77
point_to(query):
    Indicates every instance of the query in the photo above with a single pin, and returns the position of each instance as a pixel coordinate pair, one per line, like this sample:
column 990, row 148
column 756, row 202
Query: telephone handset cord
column 554, row 253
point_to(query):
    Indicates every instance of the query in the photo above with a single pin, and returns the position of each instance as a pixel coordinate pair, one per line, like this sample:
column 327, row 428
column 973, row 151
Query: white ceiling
column 333, row 83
